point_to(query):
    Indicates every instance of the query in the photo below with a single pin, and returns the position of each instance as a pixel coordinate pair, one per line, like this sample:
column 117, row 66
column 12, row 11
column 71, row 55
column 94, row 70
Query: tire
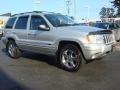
column 70, row 58
column 13, row 50
column 118, row 40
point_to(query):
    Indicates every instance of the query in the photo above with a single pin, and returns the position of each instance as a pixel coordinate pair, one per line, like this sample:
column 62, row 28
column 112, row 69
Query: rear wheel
column 70, row 57
column 13, row 50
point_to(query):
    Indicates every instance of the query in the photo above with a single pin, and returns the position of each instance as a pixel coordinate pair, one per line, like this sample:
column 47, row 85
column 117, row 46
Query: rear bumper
column 93, row 51
column 1, row 35
column 3, row 39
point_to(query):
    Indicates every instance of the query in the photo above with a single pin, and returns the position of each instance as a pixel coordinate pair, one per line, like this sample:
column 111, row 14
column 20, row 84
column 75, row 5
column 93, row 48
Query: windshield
column 58, row 20
column 102, row 25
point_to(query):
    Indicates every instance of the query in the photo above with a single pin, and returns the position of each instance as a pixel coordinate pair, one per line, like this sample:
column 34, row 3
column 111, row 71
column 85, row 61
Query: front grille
column 108, row 38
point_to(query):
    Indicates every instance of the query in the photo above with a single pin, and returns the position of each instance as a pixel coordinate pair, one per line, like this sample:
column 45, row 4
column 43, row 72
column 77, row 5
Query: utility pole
column 75, row 9
column 36, row 3
column 68, row 3
column 88, row 12
column 106, row 12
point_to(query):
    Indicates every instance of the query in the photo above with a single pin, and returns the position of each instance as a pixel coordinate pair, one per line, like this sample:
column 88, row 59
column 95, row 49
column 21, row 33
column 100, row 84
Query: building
column 3, row 19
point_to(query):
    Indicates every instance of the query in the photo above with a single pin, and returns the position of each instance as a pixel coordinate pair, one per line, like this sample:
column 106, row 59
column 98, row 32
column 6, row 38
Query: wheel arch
column 64, row 42
column 9, row 39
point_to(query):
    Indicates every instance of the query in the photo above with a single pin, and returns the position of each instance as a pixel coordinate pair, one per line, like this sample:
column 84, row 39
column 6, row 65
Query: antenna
column 36, row 3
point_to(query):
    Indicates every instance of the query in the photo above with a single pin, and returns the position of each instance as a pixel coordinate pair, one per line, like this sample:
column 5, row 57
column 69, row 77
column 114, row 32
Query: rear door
column 21, row 31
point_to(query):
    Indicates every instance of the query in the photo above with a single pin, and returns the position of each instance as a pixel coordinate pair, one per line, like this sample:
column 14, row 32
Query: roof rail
column 20, row 13
column 42, row 12
column 32, row 12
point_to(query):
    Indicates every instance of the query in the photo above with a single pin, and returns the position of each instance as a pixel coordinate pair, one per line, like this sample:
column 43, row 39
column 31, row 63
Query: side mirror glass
column 43, row 27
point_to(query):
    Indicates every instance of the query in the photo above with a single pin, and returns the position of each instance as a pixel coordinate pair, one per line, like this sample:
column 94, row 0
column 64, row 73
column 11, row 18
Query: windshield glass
column 102, row 25
column 58, row 20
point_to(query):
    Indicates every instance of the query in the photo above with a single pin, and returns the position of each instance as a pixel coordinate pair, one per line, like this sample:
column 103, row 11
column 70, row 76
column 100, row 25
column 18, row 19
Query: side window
column 116, row 26
column 111, row 26
column 22, row 22
column 36, row 21
column 10, row 23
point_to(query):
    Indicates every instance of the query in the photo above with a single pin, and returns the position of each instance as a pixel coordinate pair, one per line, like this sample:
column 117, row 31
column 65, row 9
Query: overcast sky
column 84, row 8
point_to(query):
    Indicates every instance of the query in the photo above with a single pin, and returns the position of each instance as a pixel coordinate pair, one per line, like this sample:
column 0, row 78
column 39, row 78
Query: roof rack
column 32, row 12
column 42, row 12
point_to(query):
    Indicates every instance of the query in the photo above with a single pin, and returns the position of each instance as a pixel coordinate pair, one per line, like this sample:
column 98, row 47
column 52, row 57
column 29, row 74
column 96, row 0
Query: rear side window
column 112, row 26
column 116, row 26
column 21, row 22
column 10, row 23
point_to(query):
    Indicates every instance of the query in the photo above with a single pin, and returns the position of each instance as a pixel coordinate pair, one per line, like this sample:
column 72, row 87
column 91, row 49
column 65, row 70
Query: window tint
column 116, row 26
column 111, row 27
column 22, row 22
column 101, row 25
column 60, row 20
column 10, row 23
column 36, row 21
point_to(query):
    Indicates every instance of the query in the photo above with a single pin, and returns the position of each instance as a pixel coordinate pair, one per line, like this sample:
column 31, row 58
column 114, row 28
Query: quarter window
column 36, row 21
column 22, row 22
column 10, row 23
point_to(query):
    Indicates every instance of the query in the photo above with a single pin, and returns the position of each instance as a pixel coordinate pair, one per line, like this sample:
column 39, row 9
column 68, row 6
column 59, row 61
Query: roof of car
column 37, row 12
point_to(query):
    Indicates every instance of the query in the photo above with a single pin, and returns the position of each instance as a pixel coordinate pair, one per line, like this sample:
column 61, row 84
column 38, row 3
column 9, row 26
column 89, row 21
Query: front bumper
column 93, row 51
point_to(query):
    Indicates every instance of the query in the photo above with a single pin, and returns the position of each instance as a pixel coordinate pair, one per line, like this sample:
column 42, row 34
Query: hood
column 86, row 29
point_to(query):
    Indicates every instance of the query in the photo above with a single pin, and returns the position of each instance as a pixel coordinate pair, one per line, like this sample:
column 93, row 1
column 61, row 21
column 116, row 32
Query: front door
column 39, row 38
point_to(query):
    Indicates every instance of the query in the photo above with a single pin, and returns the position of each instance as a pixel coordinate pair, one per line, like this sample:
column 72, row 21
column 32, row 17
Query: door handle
column 31, row 34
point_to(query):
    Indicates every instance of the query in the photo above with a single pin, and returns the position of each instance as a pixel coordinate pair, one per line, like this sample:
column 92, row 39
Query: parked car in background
column 3, row 20
column 58, row 35
column 1, row 34
column 115, row 28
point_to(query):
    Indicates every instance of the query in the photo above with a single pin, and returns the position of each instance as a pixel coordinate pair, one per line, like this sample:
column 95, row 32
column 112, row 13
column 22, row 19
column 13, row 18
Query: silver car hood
column 86, row 29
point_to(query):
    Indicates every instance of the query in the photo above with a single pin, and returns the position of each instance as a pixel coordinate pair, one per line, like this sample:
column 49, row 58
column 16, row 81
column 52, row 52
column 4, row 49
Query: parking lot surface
column 39, row 72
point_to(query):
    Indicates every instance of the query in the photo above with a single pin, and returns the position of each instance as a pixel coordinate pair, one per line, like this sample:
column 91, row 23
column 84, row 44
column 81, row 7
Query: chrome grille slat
column 108, row 38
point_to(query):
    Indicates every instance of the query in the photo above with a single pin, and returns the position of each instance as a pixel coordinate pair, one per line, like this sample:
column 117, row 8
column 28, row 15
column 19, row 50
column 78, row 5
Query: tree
column 72, row 17
column 116, row 4
column 107, row 12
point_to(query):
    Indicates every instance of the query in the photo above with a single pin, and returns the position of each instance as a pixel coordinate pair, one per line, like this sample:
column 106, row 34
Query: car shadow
column 51, row 60
column 7, row 83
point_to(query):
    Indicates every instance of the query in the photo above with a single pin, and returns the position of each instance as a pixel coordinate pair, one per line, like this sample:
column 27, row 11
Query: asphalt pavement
column 39, row 72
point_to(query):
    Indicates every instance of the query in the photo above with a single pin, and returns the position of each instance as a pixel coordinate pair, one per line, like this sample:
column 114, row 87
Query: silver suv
column 57, row 35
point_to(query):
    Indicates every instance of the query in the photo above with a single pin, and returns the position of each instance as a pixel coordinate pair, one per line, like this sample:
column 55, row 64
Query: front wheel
column 13, row 50
column 70, row 57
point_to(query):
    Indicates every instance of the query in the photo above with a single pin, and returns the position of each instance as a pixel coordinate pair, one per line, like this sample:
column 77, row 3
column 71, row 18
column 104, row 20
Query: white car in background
column 115, row 28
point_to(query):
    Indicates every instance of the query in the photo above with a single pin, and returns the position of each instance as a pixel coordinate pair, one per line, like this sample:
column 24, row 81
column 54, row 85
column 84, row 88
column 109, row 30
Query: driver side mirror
column 43, row 27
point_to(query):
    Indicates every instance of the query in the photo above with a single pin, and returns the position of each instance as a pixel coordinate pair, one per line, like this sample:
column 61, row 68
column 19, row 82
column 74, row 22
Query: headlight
column 89, row 38
column 94, row 38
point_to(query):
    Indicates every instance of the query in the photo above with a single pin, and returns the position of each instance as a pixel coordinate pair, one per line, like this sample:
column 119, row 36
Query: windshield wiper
column 76, row 24
column 68, row 24
column 64, row 25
